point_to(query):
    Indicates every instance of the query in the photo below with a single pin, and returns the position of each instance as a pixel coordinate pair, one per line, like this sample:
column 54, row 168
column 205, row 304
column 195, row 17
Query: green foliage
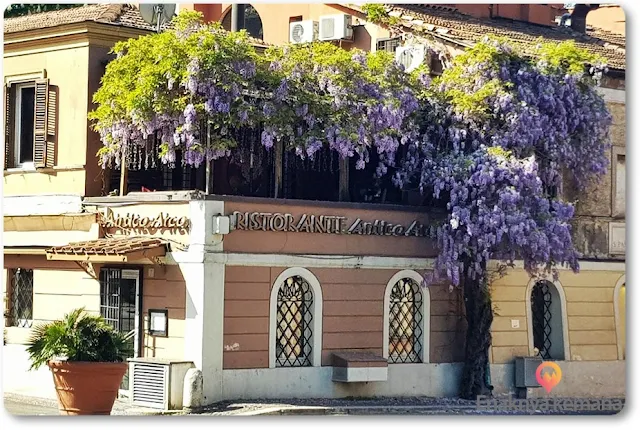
column 470, row 71
column 14, row 10
column 377, row 14
column 566, row 56
column 77, row 337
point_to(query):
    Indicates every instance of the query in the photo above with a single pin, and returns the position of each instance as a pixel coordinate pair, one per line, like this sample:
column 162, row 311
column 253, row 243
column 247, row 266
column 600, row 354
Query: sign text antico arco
column 324, row 224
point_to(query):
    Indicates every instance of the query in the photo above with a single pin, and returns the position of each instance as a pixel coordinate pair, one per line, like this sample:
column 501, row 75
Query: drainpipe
column 237, row 16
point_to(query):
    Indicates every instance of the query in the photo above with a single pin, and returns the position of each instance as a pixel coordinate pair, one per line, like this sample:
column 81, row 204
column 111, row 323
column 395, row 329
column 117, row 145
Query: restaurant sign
column 325, row 224
column 162, row 221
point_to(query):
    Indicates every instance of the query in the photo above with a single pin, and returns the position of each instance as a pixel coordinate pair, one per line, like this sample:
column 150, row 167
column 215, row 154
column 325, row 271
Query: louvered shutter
column 40, row 124
column 52, row 112
column 9, row 159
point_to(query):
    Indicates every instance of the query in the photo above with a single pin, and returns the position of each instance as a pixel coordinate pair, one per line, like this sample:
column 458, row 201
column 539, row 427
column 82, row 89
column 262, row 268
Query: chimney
column 579, row 16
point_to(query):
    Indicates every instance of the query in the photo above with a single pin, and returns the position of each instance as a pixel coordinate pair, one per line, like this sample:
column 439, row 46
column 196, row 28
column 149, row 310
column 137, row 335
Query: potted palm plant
column 87, row 358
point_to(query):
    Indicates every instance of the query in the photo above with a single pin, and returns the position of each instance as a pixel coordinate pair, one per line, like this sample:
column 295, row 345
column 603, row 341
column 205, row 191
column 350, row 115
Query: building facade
column 266, row 288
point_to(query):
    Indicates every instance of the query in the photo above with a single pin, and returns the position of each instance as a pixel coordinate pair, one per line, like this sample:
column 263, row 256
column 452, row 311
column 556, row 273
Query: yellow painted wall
column 67, row 68
column 55, row 293
column 590, row 315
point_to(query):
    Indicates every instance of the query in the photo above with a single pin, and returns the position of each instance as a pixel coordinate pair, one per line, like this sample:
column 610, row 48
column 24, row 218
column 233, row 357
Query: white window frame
column 30, row 165
column 615, row 152
column 316, row 335
column 425, row 351
column 563, row 308
column 22, row 323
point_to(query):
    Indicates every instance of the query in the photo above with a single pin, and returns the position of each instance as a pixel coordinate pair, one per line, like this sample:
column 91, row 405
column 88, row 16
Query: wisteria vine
column 487, row 139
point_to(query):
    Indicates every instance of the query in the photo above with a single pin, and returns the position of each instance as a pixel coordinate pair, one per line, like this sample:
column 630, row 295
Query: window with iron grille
column 541, row 301
column 405, row 322
column 294, row 318
column 118, row 305
column 21, row 298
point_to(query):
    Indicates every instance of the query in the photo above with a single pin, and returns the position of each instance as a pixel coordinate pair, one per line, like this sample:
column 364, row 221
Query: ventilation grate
column 149, row 382
column 328, row 28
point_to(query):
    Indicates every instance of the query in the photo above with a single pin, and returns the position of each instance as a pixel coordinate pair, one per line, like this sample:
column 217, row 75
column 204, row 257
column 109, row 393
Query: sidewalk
column 385, row 406
column 119, row 407
column 347, row 406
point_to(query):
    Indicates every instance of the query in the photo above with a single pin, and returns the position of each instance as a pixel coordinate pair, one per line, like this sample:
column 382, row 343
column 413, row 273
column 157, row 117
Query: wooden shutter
column 52, row 112
column 9, row 144
column 40, row 124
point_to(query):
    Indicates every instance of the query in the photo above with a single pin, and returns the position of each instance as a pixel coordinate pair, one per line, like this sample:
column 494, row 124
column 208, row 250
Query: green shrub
column 78, row 337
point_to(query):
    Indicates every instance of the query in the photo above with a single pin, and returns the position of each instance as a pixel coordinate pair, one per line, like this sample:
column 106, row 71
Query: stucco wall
column 589, row 314
column 352, row 315
column 67, row 68
column 165, row 288
column 58, row 288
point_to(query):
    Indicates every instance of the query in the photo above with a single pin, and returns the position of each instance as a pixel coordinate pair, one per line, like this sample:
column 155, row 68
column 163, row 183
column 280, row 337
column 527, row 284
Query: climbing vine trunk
column 479, row 315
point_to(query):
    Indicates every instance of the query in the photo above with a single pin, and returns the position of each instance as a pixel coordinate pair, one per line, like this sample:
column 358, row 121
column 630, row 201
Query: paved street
column 15, row 407
column 25, row 405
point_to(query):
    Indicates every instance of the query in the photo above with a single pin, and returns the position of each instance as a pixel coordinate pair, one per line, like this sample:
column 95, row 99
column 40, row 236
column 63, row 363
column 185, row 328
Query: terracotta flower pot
column 86, row 388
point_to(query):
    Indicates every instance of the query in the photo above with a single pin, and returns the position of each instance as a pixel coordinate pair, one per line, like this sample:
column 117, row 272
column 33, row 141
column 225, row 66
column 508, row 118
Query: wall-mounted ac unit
column 303, row 31
column 411, row 56
column 336, row 27
column 158, row 383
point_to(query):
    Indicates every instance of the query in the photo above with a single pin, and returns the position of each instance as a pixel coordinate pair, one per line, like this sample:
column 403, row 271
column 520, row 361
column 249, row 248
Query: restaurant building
column 289, row 278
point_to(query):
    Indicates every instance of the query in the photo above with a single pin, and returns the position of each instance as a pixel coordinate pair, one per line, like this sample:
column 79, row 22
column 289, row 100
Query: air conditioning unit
column 336, row 27
column 411, row 56
column 303, row 31
column 157, row 383
column 525, row 372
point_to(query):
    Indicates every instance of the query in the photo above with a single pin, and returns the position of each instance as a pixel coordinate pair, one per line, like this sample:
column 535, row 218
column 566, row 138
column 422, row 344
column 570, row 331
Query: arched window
column 252, row 22
column 547, row 320
column 295, row 335
column 406, row 321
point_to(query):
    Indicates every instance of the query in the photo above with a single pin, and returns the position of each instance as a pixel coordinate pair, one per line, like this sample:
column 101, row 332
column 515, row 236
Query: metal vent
column 328, row 28
column 149, row 383
column 297, row 33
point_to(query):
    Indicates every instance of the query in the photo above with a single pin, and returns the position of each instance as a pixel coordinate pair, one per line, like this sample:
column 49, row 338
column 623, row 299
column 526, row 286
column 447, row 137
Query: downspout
column 237, row 16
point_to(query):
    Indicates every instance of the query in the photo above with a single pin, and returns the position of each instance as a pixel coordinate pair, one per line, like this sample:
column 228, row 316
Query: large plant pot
column 86, row 388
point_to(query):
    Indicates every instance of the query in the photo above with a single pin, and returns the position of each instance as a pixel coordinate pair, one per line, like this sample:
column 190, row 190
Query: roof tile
column 468, row 30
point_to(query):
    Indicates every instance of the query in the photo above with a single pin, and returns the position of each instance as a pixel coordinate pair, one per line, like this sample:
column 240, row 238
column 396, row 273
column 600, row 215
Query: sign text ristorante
column 326, row 224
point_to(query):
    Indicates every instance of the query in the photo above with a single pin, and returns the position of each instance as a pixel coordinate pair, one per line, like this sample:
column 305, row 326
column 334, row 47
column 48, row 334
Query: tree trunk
column 479, row 315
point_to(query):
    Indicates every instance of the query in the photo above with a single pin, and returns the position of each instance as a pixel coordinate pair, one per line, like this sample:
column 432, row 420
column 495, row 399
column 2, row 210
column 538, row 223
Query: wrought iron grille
column 21, row 312
column 118, row 305
column 405, row 322
column 293, row 320
column 541, row 318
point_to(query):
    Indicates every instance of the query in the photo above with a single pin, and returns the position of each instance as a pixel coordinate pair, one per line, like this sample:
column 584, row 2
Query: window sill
column 44, row 170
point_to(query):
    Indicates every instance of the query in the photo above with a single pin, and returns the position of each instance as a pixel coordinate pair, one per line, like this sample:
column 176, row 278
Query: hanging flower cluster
column 193, row 85
column 504, row 129
column 486, row 139
column 350, row 100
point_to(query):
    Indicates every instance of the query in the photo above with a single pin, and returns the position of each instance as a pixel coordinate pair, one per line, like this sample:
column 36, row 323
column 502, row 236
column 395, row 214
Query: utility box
column 525, row 372
column 158, row 383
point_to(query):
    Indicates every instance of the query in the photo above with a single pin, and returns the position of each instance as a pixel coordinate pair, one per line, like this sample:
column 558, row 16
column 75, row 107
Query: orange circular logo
column 548, row 374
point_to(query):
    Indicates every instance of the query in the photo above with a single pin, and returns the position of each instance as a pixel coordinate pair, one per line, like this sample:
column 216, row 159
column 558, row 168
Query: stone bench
column 353, row 366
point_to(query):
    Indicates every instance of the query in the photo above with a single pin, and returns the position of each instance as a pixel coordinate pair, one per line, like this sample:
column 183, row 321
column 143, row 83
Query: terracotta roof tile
column 113, row 14
column 468, row 30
